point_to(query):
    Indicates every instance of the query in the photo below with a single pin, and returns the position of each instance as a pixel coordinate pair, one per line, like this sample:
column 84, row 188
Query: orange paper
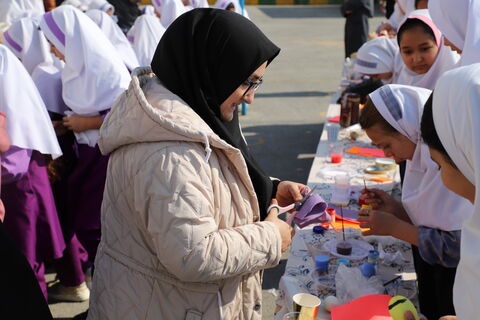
column 372, row 307
column 367, row 152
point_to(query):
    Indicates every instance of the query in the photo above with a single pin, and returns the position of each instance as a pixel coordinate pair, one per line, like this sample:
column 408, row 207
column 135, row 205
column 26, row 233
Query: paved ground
column 283, row 125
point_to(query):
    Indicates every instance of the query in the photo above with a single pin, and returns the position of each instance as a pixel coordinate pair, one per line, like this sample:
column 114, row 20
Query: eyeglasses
column 252, row 85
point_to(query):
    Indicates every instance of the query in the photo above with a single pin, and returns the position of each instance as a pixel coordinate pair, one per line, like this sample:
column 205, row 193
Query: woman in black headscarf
column 182, row 207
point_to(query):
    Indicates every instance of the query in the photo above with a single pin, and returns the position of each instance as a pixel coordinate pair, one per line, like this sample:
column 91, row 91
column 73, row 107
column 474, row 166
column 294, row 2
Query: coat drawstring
column 208, row 150
column 220, row 306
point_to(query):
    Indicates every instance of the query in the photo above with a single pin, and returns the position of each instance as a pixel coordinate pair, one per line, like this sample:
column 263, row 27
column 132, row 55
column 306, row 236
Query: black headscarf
column 203, row 57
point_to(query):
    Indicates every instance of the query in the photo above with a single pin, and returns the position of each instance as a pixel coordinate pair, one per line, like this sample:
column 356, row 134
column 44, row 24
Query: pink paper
column 371, row 307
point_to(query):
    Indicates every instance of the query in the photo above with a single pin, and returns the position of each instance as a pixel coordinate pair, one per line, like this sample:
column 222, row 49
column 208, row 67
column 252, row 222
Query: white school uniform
column 116, row 37
column 459, row 21
column 379, row 55
column 28, row 124
column 94, row 75
column 456, row 115
column 425, row 198
column 10, row 10
column 145, row 35
column 446, row 59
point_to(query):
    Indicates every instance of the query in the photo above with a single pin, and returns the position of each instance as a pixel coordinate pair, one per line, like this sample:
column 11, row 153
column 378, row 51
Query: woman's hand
column 283, row 227
column 380, row 223
column 289, row 192
column 82, row 123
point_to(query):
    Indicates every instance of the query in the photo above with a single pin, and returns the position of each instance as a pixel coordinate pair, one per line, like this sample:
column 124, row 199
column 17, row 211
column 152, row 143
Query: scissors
column 296, row 205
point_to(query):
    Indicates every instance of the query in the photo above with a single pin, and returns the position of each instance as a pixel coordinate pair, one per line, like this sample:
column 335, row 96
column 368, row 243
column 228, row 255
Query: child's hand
column 380, row 223
column 59, row 128
column 380, row 200
column 82, row 123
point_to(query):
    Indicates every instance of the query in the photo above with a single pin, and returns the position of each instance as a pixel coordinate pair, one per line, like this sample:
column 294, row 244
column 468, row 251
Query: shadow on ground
column 326, row 11
column 284, row 151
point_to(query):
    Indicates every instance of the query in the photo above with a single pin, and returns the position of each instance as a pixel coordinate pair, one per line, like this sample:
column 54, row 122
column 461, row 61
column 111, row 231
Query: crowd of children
column 427, row 46
column 73, row 63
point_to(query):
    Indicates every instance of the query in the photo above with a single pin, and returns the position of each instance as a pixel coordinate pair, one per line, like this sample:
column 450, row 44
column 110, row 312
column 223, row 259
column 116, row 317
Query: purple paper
column 312, row 211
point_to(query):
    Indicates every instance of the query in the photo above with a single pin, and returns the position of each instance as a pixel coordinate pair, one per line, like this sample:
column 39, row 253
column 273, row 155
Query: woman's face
column 394, row 145
column 230, row 105
column 452, row 178
column 418, row 50
column 451, row 45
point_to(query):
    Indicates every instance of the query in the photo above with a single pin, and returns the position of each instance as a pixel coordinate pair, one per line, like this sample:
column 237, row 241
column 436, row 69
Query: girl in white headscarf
column 378, row 59
column 93, row 78
column 31, row 217
column 144, row 37
column 450, row 128
column 459, row 22
column 429, row 215
column 10, row 10
column 150, row 10
column 116, row 36
column 102, row 5
column 169, row 10
column 425, row 57
column 30, row 46
column 28, row 43
column 233, row 5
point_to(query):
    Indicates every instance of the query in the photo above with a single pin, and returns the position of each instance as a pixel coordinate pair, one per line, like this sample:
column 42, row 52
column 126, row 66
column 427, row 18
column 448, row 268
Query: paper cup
column 306, row 304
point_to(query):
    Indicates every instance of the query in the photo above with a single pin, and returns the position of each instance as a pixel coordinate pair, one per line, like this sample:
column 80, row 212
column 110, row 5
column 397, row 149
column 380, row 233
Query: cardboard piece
column 366, row 152
column 371, row 307
column 312, row 211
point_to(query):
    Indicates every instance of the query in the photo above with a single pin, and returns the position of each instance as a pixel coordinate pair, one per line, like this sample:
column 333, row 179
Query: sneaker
column 88, row 278
column 60, row 292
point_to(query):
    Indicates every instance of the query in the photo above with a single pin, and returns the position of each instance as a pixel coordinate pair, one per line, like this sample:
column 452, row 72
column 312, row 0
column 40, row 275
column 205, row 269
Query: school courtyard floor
column 284, row 123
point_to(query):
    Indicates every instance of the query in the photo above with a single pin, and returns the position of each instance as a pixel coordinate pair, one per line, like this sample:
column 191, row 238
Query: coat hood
column 148, row 112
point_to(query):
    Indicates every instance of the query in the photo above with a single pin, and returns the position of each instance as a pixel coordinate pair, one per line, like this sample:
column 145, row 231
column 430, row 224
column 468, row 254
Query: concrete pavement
column 283, row 125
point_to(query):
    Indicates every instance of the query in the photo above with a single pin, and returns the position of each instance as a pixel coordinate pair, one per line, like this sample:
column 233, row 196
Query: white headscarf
column 401, row 9
column 28, row 123
column 222, row 4
column 11, row 10
column 459, row 21
column 148, row 10
column 199, row 3
column 28, row 43
column 113, row 32
column 145, row 36
column 79, row 4
column 377, row 56
column 94, row 75
column 169, row 10
column 446, row 59
column 101, row 5
column 424, row 196
column 48, row 79
column 456, row 115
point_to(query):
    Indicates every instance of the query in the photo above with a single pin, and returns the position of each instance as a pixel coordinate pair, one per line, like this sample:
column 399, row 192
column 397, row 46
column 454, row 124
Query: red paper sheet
column 372, row 307
column 335, row 119
column 367, row 152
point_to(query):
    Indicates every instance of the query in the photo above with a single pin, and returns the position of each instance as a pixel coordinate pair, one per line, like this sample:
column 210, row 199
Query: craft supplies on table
column 393, row 266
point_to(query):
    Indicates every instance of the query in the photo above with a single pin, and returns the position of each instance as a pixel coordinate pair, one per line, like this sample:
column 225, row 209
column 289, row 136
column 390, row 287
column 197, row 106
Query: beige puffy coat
column 180, row 232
